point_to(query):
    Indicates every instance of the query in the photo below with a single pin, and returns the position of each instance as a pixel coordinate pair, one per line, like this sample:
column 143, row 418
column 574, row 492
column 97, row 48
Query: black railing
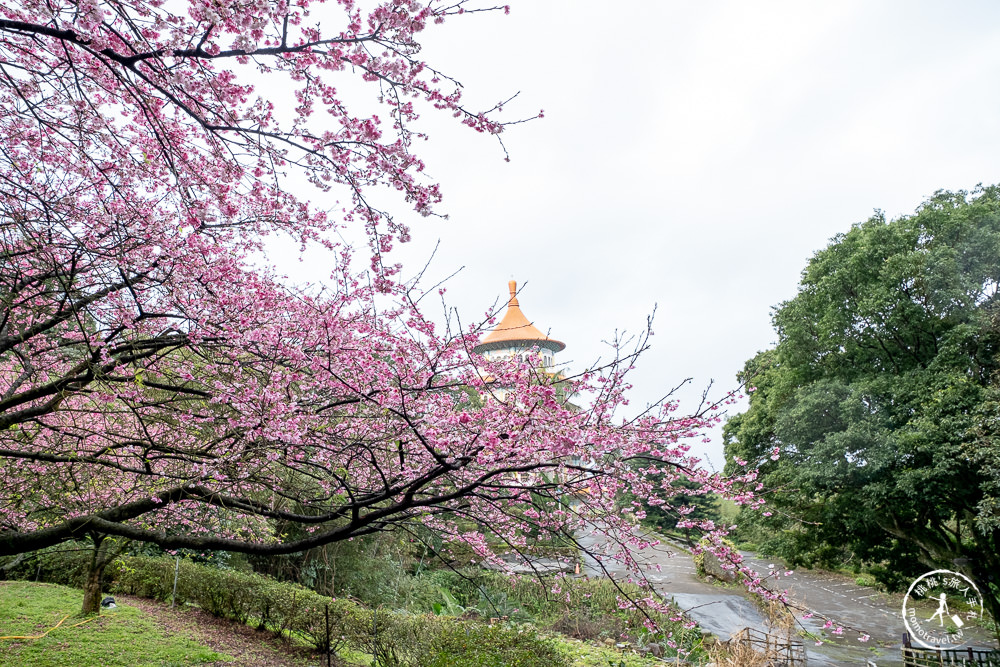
column 965, row 657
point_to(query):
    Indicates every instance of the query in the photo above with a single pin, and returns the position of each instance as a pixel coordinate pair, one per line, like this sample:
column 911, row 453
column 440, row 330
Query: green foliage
column 877, row 389
column 375, row 569
column 393, row 639
column 582, row 608
column 122, row 638
column 663, row 518
column 867, row 580
column 699, row 562
column 701, row 555
column 985, row 451
column 449, row 605
column 244, row 597
column 586, row 655
column 66, row 564
column 442, row 642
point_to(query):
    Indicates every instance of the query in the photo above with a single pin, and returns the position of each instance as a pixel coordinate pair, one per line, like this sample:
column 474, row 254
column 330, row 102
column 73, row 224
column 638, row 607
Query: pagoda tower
column 516, row 336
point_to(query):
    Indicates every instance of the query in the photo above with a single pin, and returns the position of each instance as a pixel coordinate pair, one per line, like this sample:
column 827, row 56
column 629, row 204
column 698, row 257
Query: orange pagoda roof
column 515, row 330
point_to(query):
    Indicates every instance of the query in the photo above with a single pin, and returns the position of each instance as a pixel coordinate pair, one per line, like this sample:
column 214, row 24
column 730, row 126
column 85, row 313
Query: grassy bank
column 123, row 636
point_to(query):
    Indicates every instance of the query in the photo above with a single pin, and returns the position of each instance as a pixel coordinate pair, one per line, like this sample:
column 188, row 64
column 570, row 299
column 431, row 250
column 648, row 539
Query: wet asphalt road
column 724, row 610
column 857, row 608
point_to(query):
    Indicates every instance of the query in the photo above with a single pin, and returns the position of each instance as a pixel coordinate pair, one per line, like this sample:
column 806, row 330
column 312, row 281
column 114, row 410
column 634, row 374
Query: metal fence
column 965, row 657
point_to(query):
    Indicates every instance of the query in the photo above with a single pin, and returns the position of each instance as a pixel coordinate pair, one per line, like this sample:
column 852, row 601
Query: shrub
column 393, row 639
column 586, row 625
column 583, row 608
column 702, row 554
column 448, row 642
column 142, row 576
column 66, row 564
column 865, row 579
column 892, row 579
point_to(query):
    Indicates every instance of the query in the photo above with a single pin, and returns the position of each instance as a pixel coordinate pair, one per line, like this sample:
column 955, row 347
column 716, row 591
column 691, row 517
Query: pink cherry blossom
column 159, row 382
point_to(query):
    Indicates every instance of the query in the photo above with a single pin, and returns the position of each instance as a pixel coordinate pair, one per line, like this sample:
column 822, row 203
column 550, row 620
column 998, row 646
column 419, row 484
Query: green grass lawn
column 122, row 636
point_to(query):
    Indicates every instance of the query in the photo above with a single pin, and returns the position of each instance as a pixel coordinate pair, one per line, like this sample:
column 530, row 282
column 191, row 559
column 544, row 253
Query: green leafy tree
column 690, row 502
column 880, row 382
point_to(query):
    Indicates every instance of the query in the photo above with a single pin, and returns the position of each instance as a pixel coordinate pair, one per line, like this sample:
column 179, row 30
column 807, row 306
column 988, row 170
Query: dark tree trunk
column 105, row 551
column 92, row 590
column 92, row 587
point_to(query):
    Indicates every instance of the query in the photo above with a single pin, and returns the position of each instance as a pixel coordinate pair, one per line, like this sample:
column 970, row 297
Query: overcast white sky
column 693, row 156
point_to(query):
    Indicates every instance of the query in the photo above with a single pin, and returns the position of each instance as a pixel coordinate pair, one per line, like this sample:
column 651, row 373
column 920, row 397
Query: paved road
column 830, row 596
column 723, row 611
column 859, row 609
column 671, row 571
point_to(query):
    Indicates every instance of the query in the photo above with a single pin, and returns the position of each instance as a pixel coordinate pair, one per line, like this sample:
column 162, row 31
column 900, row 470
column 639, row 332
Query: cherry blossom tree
column 157, row 385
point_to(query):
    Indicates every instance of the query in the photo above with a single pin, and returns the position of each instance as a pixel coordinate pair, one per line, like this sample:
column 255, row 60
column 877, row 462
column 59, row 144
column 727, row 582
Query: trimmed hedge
column 394, row 639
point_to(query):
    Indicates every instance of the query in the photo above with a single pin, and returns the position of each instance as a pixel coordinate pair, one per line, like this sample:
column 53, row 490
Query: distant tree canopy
column 882, row 396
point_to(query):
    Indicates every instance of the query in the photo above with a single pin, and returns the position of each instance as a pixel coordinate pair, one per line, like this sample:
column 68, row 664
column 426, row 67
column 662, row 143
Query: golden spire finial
column 512, row 285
